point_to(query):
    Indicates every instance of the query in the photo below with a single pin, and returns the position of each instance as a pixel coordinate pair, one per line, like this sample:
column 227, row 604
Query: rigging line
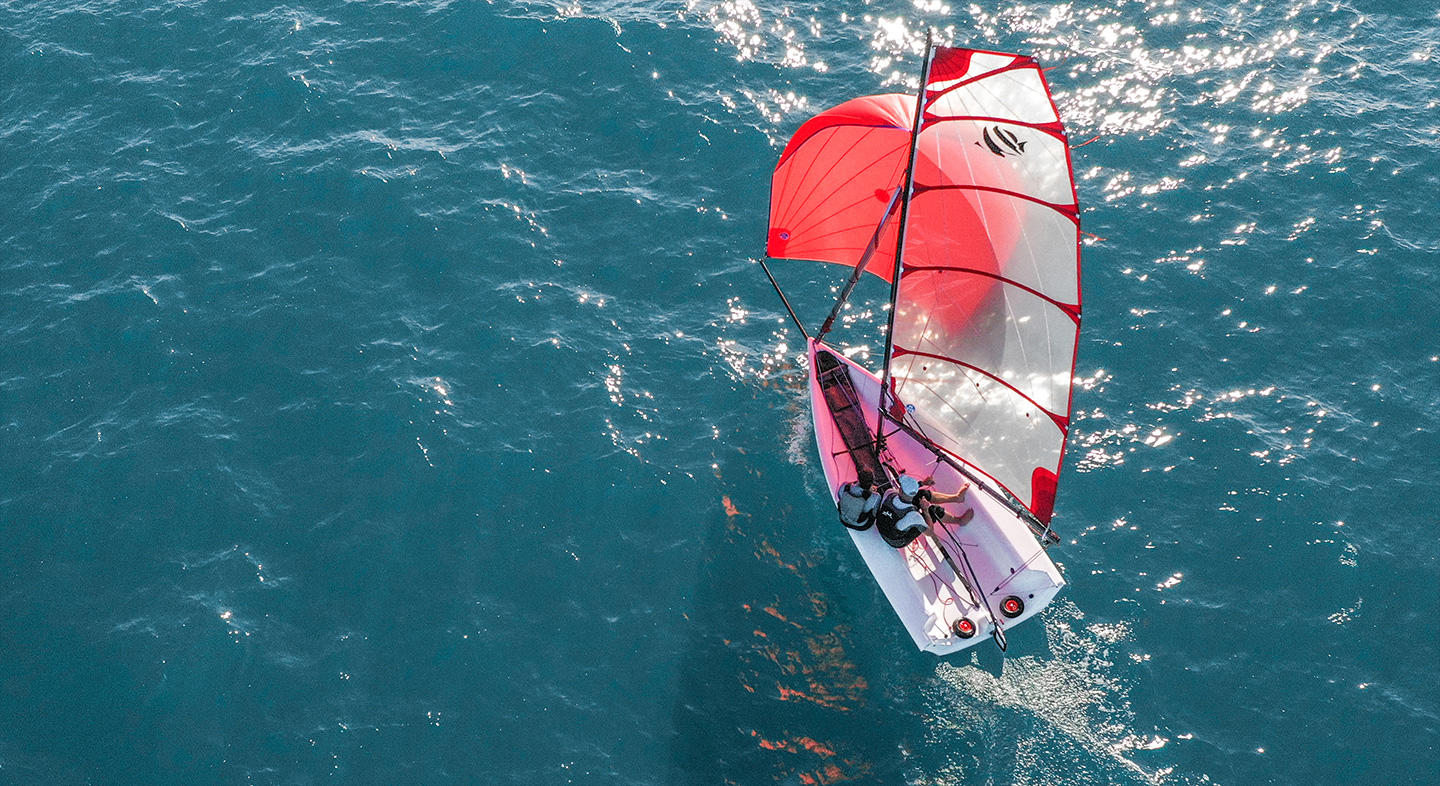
column 954, row 538
column 904, row 211
column 940, row 401
column 913, row 553
column 959, row 575
column 975, row 592
column 972, row 583
column 783, row 299
column 1060, row 64
column 1043, row 531
column 997, row 630
column 936, row 582
column 1040, row 552
column 860, row 266
column 915, row 422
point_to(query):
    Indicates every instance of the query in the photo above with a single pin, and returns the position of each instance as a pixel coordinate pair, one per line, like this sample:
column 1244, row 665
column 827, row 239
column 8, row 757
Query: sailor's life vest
column 898, row 522
column 857, row 506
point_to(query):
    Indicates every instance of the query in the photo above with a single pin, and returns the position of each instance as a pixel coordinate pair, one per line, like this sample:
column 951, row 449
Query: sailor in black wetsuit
column 899, row 522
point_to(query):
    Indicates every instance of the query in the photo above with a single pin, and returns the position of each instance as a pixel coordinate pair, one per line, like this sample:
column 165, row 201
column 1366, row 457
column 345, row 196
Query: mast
column 907, row 188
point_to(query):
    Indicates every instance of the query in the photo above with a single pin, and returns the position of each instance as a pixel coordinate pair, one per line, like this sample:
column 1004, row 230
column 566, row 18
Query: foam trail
column 1077, row 721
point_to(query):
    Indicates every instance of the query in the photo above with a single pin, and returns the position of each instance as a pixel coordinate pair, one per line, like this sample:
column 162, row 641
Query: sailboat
column 962, row 198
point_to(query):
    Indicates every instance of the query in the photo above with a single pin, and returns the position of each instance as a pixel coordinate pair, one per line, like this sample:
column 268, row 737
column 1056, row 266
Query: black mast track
column 904, row 211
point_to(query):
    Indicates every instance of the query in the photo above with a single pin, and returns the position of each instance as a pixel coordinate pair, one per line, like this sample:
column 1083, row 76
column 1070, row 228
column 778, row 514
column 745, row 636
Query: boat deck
column 959, row 571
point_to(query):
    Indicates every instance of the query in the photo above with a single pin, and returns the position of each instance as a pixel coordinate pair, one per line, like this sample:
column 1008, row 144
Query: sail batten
column 1071, row 311
column 1061, row 421
column 1064, row 209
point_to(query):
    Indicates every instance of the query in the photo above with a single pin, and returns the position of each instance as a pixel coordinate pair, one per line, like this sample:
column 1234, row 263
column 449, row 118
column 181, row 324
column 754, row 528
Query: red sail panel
column 835, row 179
column 988, row 308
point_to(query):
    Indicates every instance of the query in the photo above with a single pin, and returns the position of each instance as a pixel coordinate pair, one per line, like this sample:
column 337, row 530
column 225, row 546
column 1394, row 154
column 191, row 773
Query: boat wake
column 1061, row 718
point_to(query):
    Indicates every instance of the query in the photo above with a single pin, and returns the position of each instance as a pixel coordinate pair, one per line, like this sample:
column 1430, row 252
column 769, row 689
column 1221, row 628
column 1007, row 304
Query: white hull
column 995, row 551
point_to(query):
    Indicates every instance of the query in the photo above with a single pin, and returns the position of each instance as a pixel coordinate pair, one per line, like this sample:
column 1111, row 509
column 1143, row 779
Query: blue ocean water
column 389, row 394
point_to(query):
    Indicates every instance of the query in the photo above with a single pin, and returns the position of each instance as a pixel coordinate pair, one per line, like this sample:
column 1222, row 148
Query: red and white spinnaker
column 987, row 312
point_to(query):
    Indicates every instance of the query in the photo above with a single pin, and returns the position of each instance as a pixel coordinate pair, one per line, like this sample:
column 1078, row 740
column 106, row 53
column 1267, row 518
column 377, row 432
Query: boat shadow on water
column 774, row 681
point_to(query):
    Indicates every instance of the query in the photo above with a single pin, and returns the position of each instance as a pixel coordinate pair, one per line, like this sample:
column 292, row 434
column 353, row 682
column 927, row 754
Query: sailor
column 858, row 501
column 920, row 491
column 899, row 522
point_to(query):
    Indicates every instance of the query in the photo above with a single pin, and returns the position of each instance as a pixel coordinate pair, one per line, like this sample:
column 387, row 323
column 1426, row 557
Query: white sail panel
column 968, row 319
column 983, row 423
column 1011, row 158
column 1017, row 95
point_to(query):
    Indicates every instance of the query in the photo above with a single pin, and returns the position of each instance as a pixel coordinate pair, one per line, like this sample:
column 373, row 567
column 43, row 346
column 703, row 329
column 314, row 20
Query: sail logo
column 1001, row 142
